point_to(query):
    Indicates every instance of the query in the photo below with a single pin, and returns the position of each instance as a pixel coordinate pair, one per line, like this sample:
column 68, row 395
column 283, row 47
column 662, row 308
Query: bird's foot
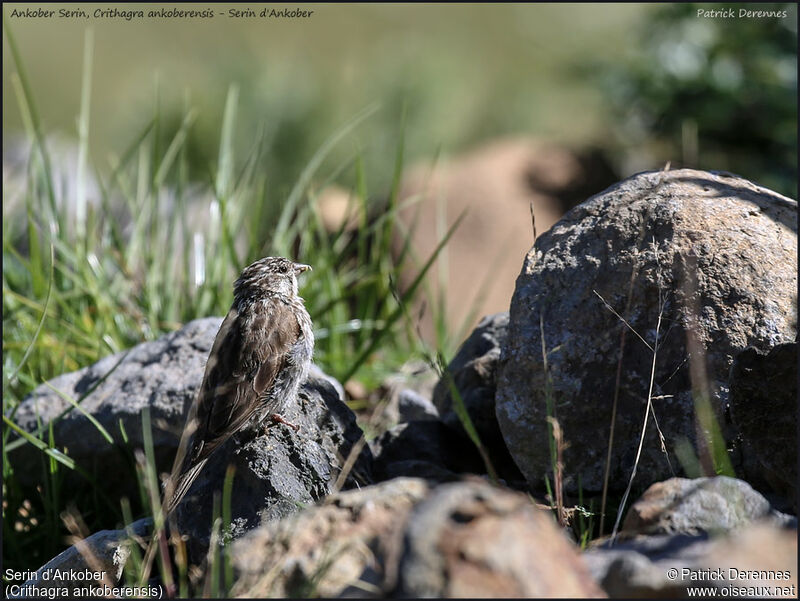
column 279, row 419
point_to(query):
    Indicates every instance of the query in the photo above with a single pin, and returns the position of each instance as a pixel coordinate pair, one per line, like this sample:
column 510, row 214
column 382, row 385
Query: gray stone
column 162, row 376
column 713, row 254
column 101, row 557
column 412, row 406
column 424, row 449
column 277, row 470
column 701, row 505
column 763, row 398
column 473, row 371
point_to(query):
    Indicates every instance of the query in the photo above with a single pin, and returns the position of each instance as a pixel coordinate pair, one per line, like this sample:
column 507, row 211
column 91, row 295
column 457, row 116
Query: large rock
column 277, row 469
column 710, row 253
column 763, row 397
column 497, row 184
column 162, row 376
column 402, row 538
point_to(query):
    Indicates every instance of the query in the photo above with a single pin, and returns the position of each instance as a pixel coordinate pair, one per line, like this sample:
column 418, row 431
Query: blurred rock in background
column 497, row 184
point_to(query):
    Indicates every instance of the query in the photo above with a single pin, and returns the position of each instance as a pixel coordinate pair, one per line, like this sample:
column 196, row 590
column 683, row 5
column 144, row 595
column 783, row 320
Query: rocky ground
column 703, row 269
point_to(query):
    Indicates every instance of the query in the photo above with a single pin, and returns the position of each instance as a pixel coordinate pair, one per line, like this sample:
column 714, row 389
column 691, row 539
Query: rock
column 710, row 505
column 717, row 250
column 315, row 372
column 424, row 449
column 162, row 375
column 497, row 184
column 400, row 538
column 275, row 472
column 349, row 544
column 408, row 392
column 670, row 528
column 412, row 406
column 746, row 557
column 664, row 566
column 278, row 470
column 639, row 567
column 469, row 539
column 474, row 372
column 101, row 557
column 763, row 399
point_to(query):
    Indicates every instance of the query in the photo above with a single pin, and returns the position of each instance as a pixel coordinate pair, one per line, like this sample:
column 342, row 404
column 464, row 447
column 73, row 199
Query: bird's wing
column 242, row 367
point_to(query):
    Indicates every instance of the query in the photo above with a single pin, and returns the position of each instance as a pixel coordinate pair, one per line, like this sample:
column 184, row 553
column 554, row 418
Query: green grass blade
column 225, row 159
column 38, row 331
column 54, row 454
column 83, row 138
column 316, row 160
column 466, row 421
column 19, row 442
column 98, row 426
column 32, row 111
column 175, row 145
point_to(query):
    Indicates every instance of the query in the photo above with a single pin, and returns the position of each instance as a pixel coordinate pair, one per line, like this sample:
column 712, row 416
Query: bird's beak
column 300, row 268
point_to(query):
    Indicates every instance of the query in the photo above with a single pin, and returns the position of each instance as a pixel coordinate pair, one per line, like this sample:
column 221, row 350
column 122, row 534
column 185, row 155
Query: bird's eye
column 284, row 269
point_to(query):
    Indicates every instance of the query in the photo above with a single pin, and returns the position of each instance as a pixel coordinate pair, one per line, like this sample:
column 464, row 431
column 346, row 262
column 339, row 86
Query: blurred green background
column 464, row 73
column 639, row 80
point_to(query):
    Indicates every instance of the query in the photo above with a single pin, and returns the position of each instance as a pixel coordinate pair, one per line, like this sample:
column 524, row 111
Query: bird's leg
column 279, row 419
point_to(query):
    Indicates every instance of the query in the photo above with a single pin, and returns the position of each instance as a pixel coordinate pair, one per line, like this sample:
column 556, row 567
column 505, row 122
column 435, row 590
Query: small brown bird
column 260, row 357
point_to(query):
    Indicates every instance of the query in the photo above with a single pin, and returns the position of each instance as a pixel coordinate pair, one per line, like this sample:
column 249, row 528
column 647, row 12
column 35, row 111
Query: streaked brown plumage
column 259, row 359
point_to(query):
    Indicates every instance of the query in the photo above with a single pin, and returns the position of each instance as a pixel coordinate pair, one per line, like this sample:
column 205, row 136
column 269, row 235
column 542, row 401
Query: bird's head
column 269, row 275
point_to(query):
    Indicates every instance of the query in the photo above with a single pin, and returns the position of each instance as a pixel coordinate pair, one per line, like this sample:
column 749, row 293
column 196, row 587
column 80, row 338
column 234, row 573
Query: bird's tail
column 181, row 484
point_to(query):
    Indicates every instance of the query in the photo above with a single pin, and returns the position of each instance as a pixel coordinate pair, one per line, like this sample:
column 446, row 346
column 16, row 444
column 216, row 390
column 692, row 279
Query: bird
column 260, row 356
